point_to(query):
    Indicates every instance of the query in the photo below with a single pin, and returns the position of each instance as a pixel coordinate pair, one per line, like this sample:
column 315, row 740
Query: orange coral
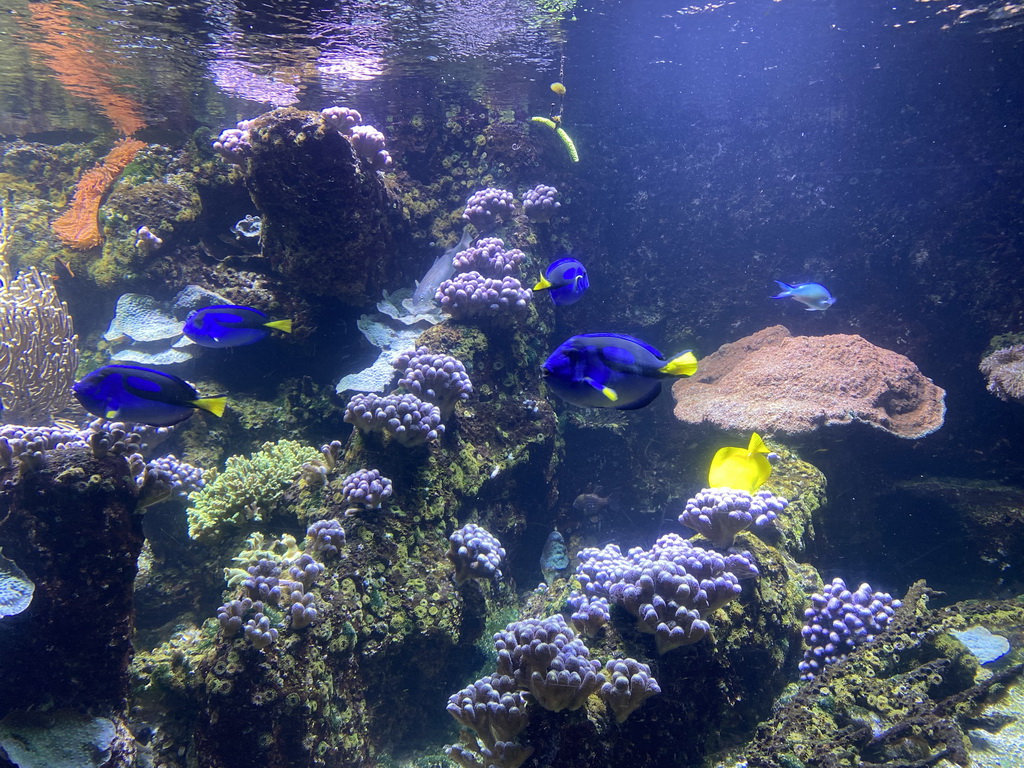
column 79, row 226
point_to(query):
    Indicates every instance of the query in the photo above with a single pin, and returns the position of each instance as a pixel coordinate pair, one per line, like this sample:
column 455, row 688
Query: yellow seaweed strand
column 573, row 154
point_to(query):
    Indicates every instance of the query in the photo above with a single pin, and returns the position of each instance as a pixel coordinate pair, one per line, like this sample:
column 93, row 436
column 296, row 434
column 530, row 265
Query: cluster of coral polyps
column 489, row 286
column 430, row 386
column 541, row 663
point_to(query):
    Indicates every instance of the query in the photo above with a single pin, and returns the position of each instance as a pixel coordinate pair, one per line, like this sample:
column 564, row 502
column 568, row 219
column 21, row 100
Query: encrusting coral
column 779, row 383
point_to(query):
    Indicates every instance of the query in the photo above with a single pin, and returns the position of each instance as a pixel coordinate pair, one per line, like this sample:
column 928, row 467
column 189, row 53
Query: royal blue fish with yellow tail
column 565, row 280
column 229, row 325
column 742, row 469
column 142, row 396
column 612, row 370
column 814, row 296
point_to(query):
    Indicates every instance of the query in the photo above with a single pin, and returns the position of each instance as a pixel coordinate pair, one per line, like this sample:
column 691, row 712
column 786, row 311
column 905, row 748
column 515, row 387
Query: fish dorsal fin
column 757, row 444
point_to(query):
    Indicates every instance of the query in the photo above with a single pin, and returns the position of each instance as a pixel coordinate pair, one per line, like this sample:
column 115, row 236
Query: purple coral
column 491, row 708
column 839, row 620
column 232, row 614
column 669, row 589
column 342, row 118
column 409, row 420
column 629, row 684
column 475, row 553
column 369, row 143
column 487, row 207
column 180, row 477
column 305, row 570
column 233, row 143
column 366, row 489
column 302, row 610
column 470, row 294
column 544, row 657
column 325, row 538
column 718, row 514
column 541, row 202
column 259, row 632
column 489, row 258
column 264, row 581
column 439, row 379
column 504, row 754
column 590, row 613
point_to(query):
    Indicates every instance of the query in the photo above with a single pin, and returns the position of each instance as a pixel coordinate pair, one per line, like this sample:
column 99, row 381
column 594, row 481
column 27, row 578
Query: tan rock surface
column 777, row 383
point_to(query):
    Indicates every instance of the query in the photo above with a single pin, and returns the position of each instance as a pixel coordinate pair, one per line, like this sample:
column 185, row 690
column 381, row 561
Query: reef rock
column 73, row 527
column 329, row 224
column 781, row 384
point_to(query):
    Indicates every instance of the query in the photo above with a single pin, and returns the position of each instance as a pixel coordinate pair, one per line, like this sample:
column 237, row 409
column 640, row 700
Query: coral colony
column 718, row 514
column 669, row 589
column 489, row 286
column 541, row 663
column 541, row 203
column 839, row 621
column 489, row 207
column 475, row 553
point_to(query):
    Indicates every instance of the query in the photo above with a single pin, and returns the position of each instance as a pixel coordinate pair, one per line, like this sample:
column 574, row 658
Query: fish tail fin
column 214, row 405
column 757, row 445
column 543, row 284
column 787, row 290
column 683, row 364
column 280, row 325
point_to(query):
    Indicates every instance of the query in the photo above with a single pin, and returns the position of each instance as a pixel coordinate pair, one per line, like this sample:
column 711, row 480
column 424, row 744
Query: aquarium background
column 874, row 148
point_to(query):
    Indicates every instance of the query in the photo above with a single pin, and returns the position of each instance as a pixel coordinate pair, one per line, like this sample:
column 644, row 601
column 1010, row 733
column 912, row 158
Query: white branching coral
column 38, row 345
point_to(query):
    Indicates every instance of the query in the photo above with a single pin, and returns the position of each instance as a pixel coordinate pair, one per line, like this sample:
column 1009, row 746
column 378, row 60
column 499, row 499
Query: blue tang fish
column 612, row 370
column 814, row 296
column 142, row 396
column 227, row 325
column 566, row 281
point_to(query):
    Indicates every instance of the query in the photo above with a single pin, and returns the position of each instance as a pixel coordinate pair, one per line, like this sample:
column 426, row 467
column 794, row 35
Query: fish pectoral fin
column 683, row 364
column 542, row 284
column 280, row 325
column 214, row 405
column 608, row 392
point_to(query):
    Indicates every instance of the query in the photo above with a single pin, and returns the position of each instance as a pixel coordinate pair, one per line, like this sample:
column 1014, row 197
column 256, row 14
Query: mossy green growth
column 245, row 488
column 803, row 485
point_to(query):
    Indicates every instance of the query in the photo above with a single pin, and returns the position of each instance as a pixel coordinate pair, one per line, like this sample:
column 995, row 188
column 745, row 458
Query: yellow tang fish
column 558, row 88
column 745, row 469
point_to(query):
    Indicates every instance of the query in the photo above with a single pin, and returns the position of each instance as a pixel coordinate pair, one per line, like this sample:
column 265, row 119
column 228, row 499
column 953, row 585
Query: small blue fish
column 612, row 370
column 227, row 325
column 814, row 296
column 142, row 396
column 566, row 279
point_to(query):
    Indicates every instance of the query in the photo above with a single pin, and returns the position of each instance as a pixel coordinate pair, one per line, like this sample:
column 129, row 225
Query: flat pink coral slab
column 777, row 383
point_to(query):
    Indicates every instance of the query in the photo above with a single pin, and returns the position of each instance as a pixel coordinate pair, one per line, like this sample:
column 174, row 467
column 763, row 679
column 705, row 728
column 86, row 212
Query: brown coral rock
column 782, row 384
